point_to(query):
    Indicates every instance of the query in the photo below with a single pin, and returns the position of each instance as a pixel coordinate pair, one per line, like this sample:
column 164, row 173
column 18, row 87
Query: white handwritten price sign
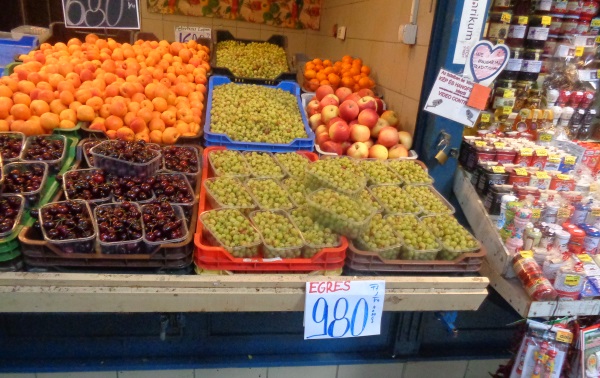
column 113, row 14
column 191, row 33
column 338, row 309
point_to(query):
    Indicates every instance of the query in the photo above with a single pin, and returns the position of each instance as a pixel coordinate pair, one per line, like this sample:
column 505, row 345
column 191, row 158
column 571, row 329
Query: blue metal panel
column 441, row 53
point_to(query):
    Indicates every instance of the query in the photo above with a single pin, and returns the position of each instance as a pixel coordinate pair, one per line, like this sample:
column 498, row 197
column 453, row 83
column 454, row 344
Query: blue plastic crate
column 10, row 49
column 1, row 71
column 214, row 139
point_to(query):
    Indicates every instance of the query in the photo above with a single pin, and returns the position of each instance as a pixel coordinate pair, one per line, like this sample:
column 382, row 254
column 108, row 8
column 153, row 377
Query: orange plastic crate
column 216, row 258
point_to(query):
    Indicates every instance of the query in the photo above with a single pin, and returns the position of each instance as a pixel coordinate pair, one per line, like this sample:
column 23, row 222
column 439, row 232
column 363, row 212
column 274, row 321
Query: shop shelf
column 278, row 40
column 215, row 139
column 214, row 258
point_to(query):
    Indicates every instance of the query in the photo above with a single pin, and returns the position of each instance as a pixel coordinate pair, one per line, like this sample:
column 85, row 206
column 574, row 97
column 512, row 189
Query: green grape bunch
column 293, row 163
column 228, row 163
column 410, row 172
column 269, row 194
column 454, row 237
column 341, row 213
column 394, row 200
column 378, row 172
column 231, row 229
column 280, row 236
column 418, row 243
column 259, row 60
column 341, row 174
column 315, row 235
column 381, row 238
column 426, row 198
column 262, row 164
column 255, row 113
column 229, row 192
column 368, row 200
column 296, row 190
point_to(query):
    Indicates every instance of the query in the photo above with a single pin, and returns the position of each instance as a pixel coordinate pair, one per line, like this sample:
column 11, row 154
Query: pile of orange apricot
column 152, row 91
column 348, row 72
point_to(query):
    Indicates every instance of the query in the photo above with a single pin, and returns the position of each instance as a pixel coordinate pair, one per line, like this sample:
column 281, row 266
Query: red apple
column 388, row 137
column 379, row 102
column 312, row 107
column 334, row 120
column 323, row 91
column 358, row 150
column 360, row 133
column 376, row 130
column 322, row 138
column 368, row 117
column 398, row 151
column 353, row 122
column 369, row 143
column 331, row 146
column 366, row 92
column 330, row 99
column 405, row 139
column 321, row 129
column 345, row 146
column 353, row 97
column 378, row 152
column 339, row 131
column 314, row 121
column 329, row 112
column 391, row 117
column 349, row 110
column 367, row 103
column 343, row 92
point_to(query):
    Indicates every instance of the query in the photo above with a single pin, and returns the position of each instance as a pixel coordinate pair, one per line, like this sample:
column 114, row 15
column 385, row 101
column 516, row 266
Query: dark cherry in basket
column 10, row 147
column 67, row 220
column 24, row 181
column 42, row 148
column 160, row 222
column 9, row 211
column 119, row 223
column 180, row 159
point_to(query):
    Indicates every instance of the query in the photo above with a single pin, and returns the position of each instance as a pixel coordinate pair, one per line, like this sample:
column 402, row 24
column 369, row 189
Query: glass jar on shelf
column 537, row 33
column 532, row 65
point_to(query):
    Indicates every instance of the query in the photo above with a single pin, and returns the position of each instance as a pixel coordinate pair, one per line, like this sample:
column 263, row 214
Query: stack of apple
column 355, row 124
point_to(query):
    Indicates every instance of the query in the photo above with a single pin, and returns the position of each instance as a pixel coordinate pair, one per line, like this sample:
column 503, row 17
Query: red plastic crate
column 216, row 258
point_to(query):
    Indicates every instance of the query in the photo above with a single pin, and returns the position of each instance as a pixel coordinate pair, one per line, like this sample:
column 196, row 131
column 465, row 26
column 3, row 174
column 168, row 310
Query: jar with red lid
column 486, row 153
column 521, row 192
column 505, row 155
column 590, row 8
column 556, row 24
column 569, row 25
column 539, row 180
column 537, row 33
column 574, row 7
column 583, row 26
column 524, row 157
column 562, row 183
column 540, row 156
column 498, row 26
column 575, row 244
column 517, row 31
column 559, row 6
column 518, row 176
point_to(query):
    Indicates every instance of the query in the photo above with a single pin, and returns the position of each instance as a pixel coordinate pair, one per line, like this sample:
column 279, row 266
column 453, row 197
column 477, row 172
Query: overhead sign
column 191, row 33
column 340, row 309
column 110, row 14
column 472, row 20
column 486, row 61
column 449, row 98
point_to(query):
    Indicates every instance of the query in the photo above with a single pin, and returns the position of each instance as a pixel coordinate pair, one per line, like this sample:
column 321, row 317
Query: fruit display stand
column 498, row 266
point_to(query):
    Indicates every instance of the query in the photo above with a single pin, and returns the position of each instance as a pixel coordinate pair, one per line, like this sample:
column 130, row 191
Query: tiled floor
column 446, row 369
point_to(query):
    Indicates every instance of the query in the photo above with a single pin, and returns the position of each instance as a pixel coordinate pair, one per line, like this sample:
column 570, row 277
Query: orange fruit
column 327, row 63
column 86, row 113
column 324, row 82
column 321, row 76
column 365, row 69
column 310, row 74
column 333, row 79
column 309, row 66
column 20, row 112
column 347, row 59
column 364, row 82
column 317, row 61
column 347, row 82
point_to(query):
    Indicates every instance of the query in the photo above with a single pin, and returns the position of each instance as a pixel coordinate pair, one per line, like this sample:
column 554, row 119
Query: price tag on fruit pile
column 191, row 33
column 339, row 309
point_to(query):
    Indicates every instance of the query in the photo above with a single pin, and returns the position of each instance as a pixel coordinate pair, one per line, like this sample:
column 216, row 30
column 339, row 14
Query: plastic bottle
column 530, row 274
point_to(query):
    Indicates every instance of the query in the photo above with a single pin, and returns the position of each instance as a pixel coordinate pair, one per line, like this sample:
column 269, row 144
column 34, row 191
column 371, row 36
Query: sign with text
column 469, row 32
column 110, row 14
column 191, row 33
column 449, row 97
column 486, row 61
column 339, row 309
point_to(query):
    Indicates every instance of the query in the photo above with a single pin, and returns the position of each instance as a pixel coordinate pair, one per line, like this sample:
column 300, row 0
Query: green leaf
column 267, row 16
column 206, row 10
column 288, row 15
column 228, row 9
column 213, row 3
column 274, row 8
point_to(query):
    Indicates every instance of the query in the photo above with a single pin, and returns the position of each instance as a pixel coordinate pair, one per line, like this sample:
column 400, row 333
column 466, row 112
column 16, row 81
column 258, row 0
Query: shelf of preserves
column 83, row 292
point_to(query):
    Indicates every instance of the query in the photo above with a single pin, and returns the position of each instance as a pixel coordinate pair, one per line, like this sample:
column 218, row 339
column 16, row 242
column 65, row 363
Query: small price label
column 564, row 336
column 541, row 152
column 526, row 254
column 572, row 280
column 536, row 213
column 526, row 151
column 480, row 143
column 554, row 158
column 570, row 160
column 508, row 93
column 498, row 169
column 523, row 20
column 579, row 50
column 596, row 212
column 546, row 138
column 546, row 20
column 562, row 176
column 505, row 17
column 595, row 23
column 521, row 171
column 500, row 41
column 584, row 257
column 598, row 39
column 506, row 110
column 563, row 213
column 499, row 144
column 485, row 117
column 542, row 175
column 340, row 309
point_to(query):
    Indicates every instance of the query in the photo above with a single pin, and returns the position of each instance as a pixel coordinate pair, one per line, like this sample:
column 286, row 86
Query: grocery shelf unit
column 498, row 268
column 82, row 292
